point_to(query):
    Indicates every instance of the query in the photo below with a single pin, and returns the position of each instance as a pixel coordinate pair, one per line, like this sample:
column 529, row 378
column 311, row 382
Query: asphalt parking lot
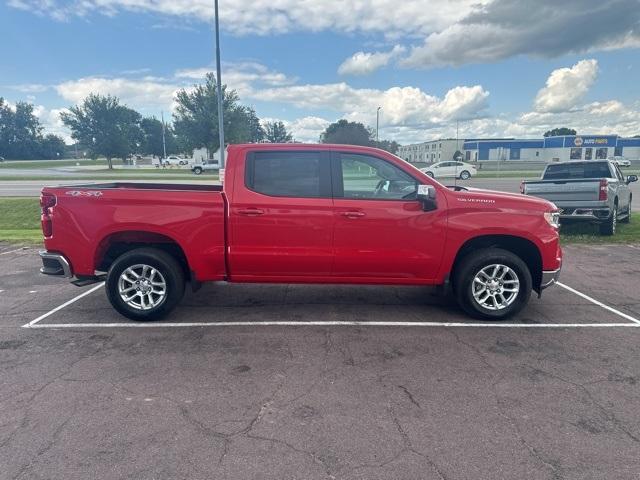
column 305, row 382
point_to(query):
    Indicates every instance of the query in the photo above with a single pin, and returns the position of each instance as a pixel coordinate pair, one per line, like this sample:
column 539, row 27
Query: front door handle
column 252, row 212
column 352, row 214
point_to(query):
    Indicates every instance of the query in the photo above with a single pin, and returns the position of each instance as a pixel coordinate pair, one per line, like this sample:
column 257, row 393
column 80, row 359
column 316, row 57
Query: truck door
column 281, row 217
column 381, row 232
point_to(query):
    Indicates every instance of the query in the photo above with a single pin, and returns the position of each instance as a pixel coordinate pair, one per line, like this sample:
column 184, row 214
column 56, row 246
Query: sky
column 492, row 68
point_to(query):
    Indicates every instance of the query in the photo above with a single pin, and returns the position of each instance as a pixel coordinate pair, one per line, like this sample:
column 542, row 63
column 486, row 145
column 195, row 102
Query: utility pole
column 164, row 143
column 219, row 89
column 377, row 124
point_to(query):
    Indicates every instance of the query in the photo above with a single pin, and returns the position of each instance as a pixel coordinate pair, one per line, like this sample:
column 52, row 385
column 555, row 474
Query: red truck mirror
column 427, row 196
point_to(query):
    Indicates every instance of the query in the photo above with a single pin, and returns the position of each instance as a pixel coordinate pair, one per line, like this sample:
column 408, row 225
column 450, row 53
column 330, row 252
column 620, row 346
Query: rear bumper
column 584, row 214
column 549, row 277
column 55, row 264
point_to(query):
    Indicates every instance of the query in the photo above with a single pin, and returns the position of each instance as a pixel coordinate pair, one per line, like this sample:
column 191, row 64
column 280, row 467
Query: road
column 83, row 396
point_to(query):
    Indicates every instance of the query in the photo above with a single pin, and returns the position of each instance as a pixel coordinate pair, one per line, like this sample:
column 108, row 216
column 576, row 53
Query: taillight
column 604, row 187
column 47, row 201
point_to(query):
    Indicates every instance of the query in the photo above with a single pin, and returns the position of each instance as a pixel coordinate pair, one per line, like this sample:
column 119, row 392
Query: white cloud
column 363, row 63
column 546, row 28
column 305, row 129
column 400, row 105
column 565, row 87
column 146, row 94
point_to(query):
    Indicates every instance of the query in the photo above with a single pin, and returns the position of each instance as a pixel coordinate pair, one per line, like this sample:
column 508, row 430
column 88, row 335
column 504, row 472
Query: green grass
column 20, row 220
column 28, row 164
column 584, row 233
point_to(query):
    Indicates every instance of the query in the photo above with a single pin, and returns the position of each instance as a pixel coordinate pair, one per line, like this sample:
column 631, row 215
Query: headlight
column 553, row 218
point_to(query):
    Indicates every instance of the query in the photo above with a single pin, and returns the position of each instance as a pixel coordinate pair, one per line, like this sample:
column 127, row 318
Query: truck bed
column 147, row 186
column 561, row 191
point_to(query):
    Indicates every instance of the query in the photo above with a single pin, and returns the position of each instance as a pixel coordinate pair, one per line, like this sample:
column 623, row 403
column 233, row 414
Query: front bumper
column 549, row 277
column 55, row 264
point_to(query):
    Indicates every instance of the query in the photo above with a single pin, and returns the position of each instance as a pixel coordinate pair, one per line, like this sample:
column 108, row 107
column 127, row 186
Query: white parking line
column 600, row 304
column 13, row 251
column 34, row 323
column 322, row 323
column 65, row 304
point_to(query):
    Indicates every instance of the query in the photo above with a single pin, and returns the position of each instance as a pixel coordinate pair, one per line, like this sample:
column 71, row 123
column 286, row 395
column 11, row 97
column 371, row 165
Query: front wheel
column 145, row 284
column 492, row 284
column 430, row 174
column 197, row 170
column 464, row 175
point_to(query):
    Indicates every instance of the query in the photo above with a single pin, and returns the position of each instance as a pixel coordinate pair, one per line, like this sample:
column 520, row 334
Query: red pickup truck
column 296, row 213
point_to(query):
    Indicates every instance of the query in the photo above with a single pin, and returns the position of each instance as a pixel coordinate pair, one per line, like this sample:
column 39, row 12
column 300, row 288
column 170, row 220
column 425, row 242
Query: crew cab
column 586, row 191
column 294, row 213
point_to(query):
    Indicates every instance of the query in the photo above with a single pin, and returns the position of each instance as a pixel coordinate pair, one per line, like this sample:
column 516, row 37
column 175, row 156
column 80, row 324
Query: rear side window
column 288, row 174
column 577, row 170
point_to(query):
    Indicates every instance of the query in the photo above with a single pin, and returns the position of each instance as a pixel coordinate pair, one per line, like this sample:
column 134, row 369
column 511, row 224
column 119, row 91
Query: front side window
column 288, row 174
column 372, row 178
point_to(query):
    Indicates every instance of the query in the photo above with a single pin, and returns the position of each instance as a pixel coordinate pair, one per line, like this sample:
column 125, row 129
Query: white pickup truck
column 586, row 191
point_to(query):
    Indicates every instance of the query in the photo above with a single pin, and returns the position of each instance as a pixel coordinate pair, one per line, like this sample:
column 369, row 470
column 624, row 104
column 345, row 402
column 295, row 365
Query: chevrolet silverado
column 293, row 213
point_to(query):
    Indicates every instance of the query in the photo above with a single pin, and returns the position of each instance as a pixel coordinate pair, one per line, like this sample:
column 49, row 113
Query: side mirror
column 427, row 196
column 631, row 179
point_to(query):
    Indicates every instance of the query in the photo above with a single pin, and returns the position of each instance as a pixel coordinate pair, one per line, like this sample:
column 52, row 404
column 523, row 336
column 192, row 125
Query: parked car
column 294, row 213
column 586, row 191
column 209, row 165
column 621, row 161
column 174, row 160
column 453, row 169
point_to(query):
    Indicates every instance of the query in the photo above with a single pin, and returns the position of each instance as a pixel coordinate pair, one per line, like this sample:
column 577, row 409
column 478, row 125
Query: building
column 430, row 152
column 552, row 149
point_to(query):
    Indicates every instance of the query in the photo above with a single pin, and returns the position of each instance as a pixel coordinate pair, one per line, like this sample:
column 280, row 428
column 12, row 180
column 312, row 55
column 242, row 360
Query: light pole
column 219, row 91
column 377, row 124
column 164, row 143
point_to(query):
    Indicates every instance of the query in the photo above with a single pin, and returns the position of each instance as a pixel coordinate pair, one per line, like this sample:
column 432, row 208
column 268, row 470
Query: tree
column 276, row 132
column 458, row 156
column 105, row 126
column 389, row 146
column 345, row 132
column 21, row 134
column 560, row 131
column 196, row 117
column 152, row 138
column 52, row 146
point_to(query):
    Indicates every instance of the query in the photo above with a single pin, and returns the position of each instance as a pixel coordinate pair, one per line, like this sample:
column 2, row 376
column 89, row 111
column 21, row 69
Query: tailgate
column 564, row 190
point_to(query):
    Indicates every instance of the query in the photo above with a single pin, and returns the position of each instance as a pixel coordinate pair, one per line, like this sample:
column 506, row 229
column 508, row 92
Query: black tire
column 168, row 268
column 609, row 226
column 470, row 266
column 430, row 174
column 182, row 162
column 465, row 175
column 627, row 218
column 197, row 170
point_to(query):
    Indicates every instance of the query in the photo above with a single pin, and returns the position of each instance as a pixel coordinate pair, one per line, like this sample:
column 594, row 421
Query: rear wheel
column 492, row 284
column 145, row 284
column 610, row 225
column 465, row 175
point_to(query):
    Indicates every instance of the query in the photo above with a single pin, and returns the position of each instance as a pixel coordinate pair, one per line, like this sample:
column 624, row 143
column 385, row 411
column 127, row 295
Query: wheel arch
column 524, row 248
column 116, row 243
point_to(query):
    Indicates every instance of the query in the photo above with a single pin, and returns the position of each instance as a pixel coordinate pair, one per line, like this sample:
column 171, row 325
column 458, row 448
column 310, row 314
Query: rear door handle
column 250, row 211
column 352, row 214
